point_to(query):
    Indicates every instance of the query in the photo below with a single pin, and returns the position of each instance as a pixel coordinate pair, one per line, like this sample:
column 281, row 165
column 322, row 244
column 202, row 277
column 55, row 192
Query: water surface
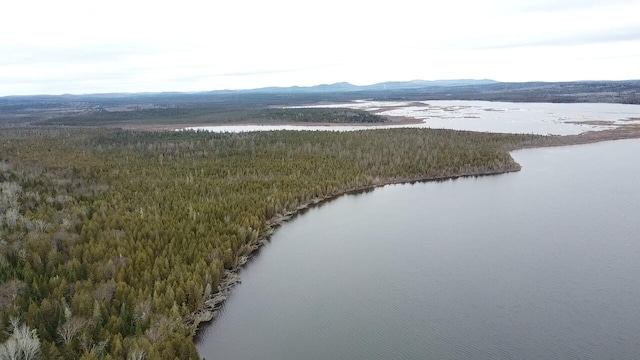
column 540, row 264
column 483, row 116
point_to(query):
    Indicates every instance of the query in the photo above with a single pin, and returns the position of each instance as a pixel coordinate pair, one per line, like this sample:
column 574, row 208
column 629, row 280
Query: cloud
column 567, row 5
column 275, row 71
column 81, row 46
column 74, row 54
column 597, row 37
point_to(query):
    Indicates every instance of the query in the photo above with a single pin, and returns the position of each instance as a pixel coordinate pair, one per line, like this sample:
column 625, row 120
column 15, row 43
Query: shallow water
column 485, row 116
column 539, row 264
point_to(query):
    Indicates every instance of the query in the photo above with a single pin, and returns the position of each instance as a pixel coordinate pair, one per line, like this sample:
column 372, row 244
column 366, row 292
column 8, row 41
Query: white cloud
column 82, row 46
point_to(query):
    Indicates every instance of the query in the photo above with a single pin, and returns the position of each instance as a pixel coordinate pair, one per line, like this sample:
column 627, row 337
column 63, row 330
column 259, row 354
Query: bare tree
column 97, row 350
column 9, row 291
column 11, row 217
column 38, row 225
column 161, row 325
column 105, row 291
column 9, row 350
column 23, row 343
column 9, row 192
column 28, row 342
column 71, row 328
column 136, row 354
column 67, row 223
column 154, row 334
column 142, row 311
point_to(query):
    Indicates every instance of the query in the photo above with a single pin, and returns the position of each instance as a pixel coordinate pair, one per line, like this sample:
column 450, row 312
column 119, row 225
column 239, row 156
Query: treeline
column 213, row 114
column 109, row 239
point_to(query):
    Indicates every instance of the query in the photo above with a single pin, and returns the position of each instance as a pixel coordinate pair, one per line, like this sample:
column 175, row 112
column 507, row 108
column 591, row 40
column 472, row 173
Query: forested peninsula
column 111, row 241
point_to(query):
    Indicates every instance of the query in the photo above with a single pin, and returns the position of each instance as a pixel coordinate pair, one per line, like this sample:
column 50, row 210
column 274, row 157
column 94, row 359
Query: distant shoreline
column 393, row 120
column 394, row 116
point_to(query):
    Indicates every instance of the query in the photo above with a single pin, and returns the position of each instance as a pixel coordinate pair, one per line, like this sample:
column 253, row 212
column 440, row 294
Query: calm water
column 540, row 264
column 486, row 116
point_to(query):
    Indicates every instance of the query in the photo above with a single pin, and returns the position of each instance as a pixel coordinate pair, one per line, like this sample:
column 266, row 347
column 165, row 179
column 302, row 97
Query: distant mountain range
column 347, row 87
column 627, row 91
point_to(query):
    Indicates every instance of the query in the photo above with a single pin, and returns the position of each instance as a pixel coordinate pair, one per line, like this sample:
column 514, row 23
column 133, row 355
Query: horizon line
column 313, row 86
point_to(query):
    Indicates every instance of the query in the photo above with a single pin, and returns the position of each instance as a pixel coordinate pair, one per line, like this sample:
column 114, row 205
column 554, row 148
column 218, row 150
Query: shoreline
column 392, row 120
column 210, row 309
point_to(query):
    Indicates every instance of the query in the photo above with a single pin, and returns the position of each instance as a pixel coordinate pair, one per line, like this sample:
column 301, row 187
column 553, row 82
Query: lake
column 539, row 264
column 485, row 116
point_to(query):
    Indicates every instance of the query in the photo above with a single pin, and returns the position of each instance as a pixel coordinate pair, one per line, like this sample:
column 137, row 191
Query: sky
column 69, row 46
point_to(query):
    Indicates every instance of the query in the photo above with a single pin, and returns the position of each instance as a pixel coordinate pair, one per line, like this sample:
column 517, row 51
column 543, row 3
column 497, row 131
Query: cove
column 542, row 263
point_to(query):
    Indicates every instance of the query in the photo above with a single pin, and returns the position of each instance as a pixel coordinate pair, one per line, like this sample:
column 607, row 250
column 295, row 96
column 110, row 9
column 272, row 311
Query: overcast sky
column 69, row 46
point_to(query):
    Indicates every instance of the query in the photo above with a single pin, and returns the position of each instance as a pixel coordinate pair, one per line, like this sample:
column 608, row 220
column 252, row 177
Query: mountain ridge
column 319, row 88
column 387, row 85
column 623, row 91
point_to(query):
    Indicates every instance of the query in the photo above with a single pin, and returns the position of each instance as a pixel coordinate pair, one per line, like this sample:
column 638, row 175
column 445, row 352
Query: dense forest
column 212, row 114
column 111, row 239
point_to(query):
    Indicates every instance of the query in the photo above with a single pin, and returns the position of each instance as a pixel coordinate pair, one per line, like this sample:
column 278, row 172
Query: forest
column 110, row 240
column 203, row 114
